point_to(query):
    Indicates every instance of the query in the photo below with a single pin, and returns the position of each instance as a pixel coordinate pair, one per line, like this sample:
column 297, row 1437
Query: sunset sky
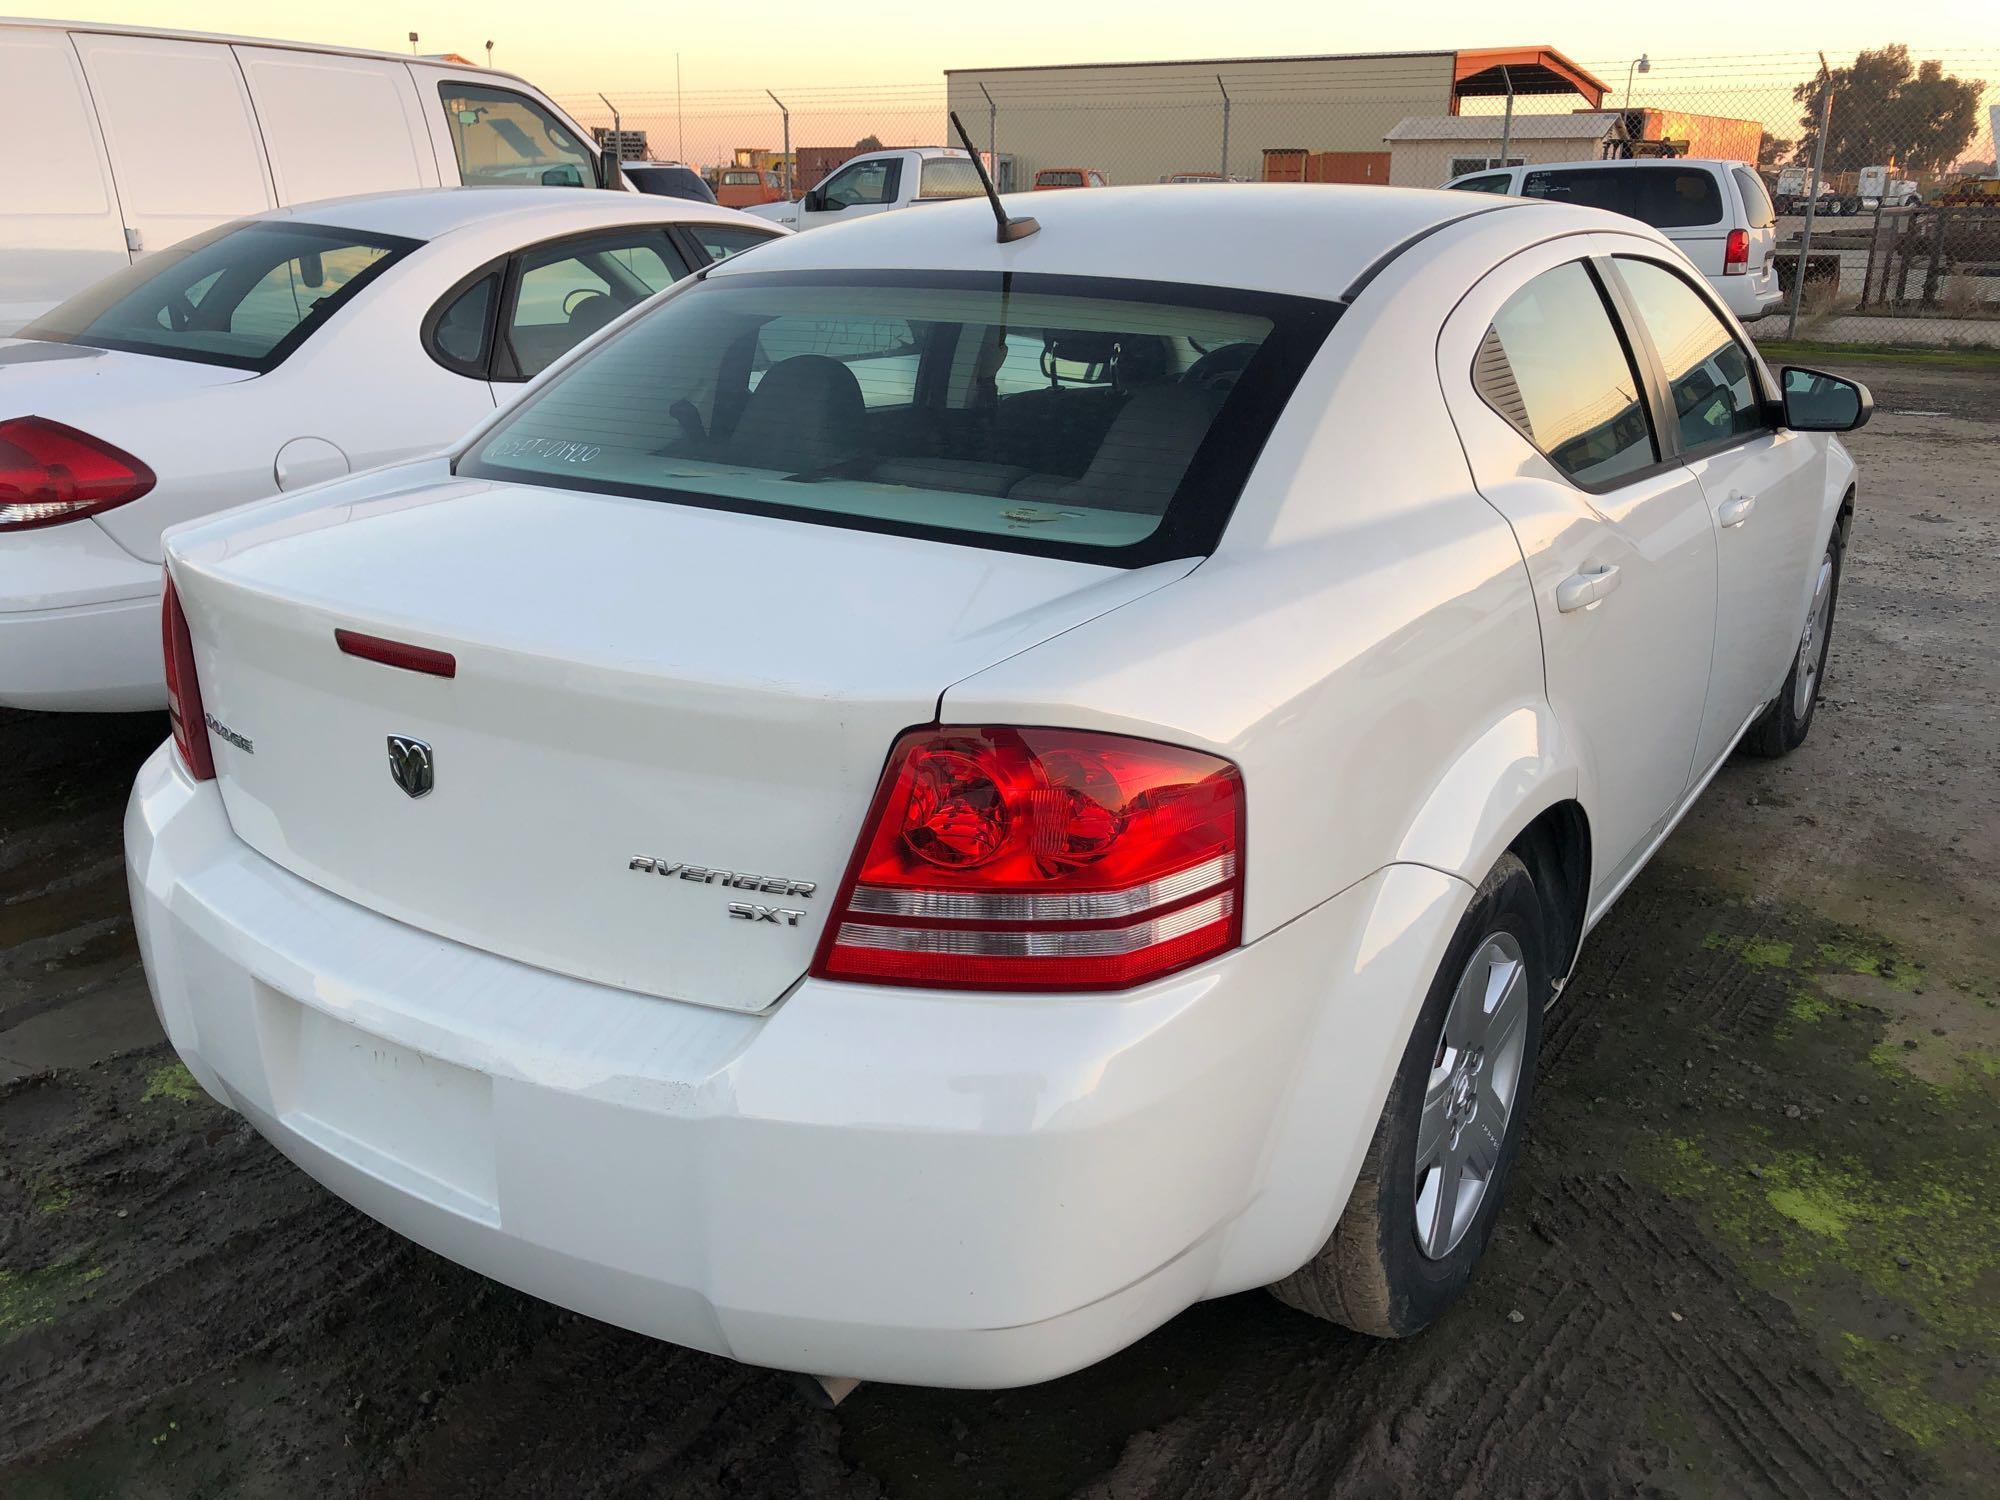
column 626, row 46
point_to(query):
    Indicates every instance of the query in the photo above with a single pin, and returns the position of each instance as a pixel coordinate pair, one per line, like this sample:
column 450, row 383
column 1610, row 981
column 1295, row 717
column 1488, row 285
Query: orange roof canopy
column 1488, row 71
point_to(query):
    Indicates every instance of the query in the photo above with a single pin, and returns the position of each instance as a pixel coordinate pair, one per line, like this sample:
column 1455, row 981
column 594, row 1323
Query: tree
column 1771, row 154
column 1887, row 112
column 869, row 143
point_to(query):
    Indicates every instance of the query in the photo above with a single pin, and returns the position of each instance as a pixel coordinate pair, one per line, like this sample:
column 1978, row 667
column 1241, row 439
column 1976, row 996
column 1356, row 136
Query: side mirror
column 562, row 176
column 1818, row 402
column 814, row 201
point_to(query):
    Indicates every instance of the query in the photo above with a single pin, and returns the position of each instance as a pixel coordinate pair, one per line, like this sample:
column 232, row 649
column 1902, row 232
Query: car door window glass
column 1663, row 196
column 721, row 241
column 1711, row 376
column 507, row 139
column 1553, row 365
column 568, row 292
column 863, row 183
column 1493, row 182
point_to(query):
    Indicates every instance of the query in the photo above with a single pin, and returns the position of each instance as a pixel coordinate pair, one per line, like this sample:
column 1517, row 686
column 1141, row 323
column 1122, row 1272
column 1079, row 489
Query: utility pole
column 1812, row 196
column 680, row 120
column 992, row 133
column 788, row 141
column 1507, row 121
column 1225, row 127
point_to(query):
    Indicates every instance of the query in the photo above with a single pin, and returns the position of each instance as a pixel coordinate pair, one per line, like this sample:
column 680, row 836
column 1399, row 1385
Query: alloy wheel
column 1474, row 1081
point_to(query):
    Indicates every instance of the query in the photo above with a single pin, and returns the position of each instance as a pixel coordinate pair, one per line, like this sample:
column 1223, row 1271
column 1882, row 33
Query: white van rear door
column 335, row 126
column 185, row 152
column 62, row 226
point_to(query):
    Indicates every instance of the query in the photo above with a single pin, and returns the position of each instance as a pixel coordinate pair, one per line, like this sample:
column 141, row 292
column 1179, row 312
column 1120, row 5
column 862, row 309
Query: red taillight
column 50, row 473
column 1736, row 253
column 183, row 689
column 1040, row 859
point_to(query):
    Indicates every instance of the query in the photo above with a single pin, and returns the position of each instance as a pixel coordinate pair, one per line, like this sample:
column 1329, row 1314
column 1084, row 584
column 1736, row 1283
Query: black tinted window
column 1714, row 385
column 669, row 182
column 724, row 240
column 1756, row 201
column 459, row 338
column 1666, row 197
column 1553, row 365
column 1492, row 182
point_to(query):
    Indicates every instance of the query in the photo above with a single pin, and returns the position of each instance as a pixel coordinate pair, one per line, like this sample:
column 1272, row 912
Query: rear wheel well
column 1556, row 849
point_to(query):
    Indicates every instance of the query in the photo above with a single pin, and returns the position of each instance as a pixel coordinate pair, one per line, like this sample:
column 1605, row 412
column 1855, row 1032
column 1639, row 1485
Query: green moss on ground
column 1853, row 1174
column 171, row 1081
column 29, row 1298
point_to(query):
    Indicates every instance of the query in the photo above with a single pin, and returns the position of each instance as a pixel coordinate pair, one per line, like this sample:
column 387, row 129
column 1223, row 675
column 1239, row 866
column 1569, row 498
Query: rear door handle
column 1736, row 509
column 1581, row 590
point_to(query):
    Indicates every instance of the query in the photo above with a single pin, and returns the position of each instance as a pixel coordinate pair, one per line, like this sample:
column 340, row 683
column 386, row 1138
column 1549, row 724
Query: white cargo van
column 1717, row 213
column 128, row 139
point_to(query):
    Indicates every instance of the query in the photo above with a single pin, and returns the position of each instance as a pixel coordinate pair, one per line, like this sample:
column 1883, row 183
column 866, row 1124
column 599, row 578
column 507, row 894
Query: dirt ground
column 1754, row 1246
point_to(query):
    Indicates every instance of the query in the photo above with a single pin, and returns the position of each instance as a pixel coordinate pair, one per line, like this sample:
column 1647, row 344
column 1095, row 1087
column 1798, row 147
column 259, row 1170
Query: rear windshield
column 670, row 182
column 1060, row 179
column 1663, row 196
column 1106, row 420
column 244, row 295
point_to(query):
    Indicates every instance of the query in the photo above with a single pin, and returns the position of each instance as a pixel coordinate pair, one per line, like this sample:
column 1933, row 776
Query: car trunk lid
column 657, row 712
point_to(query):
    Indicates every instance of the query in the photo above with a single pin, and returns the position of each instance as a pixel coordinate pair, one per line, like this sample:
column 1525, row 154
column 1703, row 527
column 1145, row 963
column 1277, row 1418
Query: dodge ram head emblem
column 411, row 765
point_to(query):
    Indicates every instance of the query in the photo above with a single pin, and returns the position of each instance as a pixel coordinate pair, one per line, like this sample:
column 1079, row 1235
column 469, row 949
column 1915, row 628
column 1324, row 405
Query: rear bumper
column 79, row 623
column 1753, row 295
column 894, row 1184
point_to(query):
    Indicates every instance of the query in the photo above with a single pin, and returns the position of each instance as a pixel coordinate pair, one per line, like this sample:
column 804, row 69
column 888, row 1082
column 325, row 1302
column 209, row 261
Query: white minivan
column 1717, row 213
column 143, row 137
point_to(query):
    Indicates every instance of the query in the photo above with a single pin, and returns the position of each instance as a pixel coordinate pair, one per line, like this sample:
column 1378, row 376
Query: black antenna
column 1010, row 229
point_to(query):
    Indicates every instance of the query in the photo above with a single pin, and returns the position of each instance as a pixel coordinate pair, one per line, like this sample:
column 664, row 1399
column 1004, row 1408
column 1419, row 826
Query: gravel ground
column 1754, row 1246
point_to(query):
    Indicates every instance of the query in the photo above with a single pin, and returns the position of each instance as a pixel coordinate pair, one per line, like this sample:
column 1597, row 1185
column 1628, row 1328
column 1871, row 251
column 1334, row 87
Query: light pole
column 1640, row 64
column 489, row 54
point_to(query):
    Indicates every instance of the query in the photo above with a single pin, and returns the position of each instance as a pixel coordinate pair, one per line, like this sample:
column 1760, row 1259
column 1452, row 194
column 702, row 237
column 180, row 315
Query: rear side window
column 1713, row 381
column 875, row 401
column 243, row 295
column 720, row 241
column 1666, row 197
column 1492, row 182
column 949, row 177
column 461, row 334
column 507, row 139
column 1757, row 207
column 1554, row 366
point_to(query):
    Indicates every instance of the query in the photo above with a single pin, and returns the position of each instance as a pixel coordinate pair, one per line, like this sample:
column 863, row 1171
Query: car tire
column 1393, row 1263
column 1784, row 725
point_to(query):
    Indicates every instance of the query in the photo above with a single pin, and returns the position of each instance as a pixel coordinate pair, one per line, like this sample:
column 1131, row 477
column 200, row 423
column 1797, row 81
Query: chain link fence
column 1884, row 199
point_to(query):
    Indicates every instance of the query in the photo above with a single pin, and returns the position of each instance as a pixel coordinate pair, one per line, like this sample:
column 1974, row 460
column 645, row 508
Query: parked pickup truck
column 875, row 181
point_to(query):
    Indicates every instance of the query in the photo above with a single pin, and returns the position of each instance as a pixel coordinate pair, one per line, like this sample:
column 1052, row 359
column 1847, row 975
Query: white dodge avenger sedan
column 927, row 802
column 276, row 352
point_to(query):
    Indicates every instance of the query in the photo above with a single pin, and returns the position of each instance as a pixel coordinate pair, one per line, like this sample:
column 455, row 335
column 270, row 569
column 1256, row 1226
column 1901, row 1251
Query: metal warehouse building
column 1326, row 116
